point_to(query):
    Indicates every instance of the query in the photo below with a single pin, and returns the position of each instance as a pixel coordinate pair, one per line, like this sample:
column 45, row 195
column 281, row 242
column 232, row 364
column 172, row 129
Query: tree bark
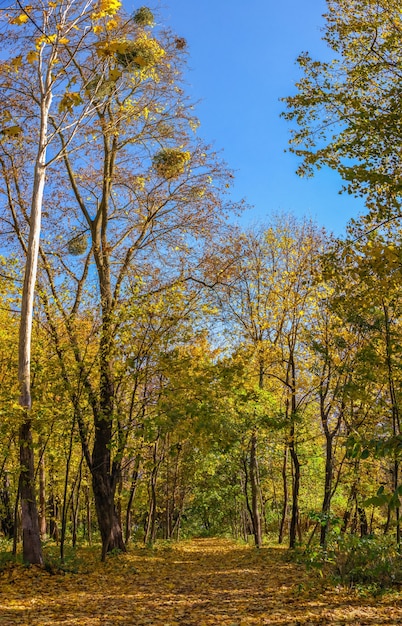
column 31, row 544
column 133, row 488
column 326, row 504
column 285, row 495
column 293, row 452
column 32, row 550
column 150, row 529
column 7, row 520
column 255, row 491
column 295, row 494
column 42, row 496
column 104, row 488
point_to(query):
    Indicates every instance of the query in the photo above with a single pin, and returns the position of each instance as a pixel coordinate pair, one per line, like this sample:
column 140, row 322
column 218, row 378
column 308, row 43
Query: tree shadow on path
column 202, row 582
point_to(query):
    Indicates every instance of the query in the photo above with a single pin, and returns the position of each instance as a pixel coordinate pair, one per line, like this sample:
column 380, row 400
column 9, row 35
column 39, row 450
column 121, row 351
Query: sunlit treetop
column 347, row 111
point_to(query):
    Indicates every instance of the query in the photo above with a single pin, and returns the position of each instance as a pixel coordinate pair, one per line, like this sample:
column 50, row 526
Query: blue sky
column 241, row 62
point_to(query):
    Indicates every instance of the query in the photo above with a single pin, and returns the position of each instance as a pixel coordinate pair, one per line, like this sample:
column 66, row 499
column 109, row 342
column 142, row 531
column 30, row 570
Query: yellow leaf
column 20, row 19
column 114, row 74
column 16, row 63
column 43, row 39
column 63, row 40
column 32, row 56
column 106, row 7
column 70, row 100
column 111, row 24
column 11, row 131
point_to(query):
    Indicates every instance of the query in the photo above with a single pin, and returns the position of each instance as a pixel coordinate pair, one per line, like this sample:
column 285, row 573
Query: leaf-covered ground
column 202, row 582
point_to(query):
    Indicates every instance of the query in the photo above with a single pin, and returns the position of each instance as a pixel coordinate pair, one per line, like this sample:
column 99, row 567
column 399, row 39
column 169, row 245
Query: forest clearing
column 202, row 582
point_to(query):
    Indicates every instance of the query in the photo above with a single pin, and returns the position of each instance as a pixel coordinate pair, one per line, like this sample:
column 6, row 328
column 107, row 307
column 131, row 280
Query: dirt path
column 204, row 582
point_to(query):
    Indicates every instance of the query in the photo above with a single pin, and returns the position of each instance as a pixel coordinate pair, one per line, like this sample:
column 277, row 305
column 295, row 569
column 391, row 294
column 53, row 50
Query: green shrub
column 369, row 561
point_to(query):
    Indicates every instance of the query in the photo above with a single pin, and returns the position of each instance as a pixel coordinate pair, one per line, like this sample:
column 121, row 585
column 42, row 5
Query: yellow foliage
column 170, row 162
column 70, row 100
column 106, row 7
column 140, row 182
column 11, row 131
column 111, row 24
column 32, row 56
column 20, row 19
column 45, row 39
column 143, row 52
column 16, row 63
column 194, row 124
column 114, row 74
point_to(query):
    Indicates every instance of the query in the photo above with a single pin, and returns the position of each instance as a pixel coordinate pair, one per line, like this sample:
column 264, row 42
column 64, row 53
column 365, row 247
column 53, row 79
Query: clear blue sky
column 241, row 62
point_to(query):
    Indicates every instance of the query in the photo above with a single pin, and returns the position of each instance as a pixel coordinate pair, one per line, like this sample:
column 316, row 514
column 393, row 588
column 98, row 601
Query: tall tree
column 41, row 42
column 132, row 220
column 267, row 295
column 347, row 109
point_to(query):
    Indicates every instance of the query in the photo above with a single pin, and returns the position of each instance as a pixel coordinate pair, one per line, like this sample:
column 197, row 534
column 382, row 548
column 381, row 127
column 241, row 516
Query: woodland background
column 189, row 377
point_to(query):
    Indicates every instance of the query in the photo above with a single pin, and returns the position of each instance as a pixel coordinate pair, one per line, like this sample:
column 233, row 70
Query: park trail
column 202, row 582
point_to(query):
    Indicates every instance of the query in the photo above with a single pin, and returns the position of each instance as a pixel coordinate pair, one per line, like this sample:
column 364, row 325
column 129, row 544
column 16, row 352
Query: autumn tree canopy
column 345, row 113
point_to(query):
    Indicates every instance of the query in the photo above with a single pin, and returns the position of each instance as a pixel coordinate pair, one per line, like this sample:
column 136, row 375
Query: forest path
column 202, row 582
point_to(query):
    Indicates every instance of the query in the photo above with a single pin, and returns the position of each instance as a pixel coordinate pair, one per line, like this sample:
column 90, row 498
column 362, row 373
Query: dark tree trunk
column 105, row 474
column 88, row 513
column 285, row 495
column 32, row 549
column 291, row 410
column 351, row 501
column 7, row 518
column 133, row 488
column 151, row 526
column 42, row 496
column 255, row 492
column 104, row 487
column 396, row 422
column 53, row 508
column 326, row 504
column 295, row 494
column 75, row 503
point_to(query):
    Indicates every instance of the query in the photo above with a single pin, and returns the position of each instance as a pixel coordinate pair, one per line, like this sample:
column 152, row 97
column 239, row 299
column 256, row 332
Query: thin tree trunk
column 88, row 513
column 295, row 492
column 150, row 530
column 133, row 488
column 42, row 497
column 17, row 524
column 7, row 522
column 255, row 491
column 65, row 491
column 396, row 423
column 285, row 495
column 326, row 504
column 293, row 454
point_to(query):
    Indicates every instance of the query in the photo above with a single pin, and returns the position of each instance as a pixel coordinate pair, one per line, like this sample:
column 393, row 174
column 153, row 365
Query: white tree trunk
column 32, row 550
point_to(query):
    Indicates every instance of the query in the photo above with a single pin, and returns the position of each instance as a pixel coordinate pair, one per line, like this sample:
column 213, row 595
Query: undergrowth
column 370, row 563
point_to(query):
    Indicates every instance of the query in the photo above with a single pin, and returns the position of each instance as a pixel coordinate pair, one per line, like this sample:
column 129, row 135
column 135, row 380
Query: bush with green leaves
column 371, row 561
